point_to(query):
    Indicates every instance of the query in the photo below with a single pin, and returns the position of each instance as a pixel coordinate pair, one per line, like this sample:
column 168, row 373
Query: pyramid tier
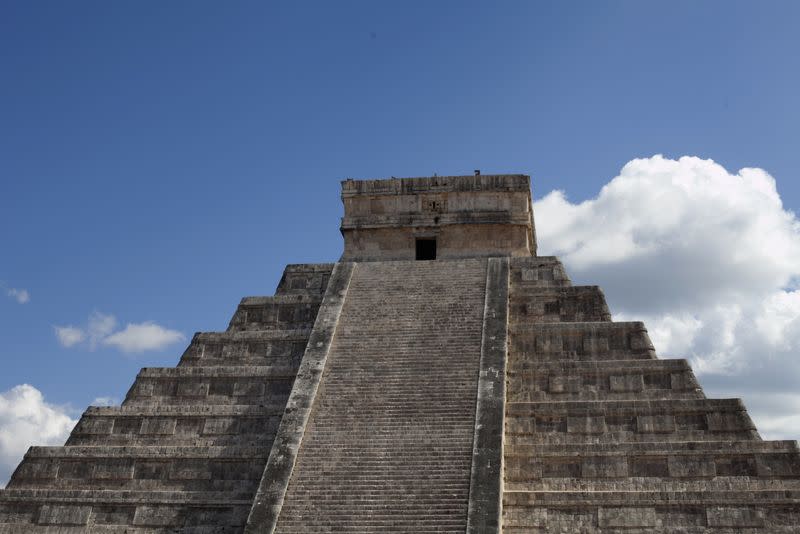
column 601, row 512
column 231, row 385
column 624, row 421
column 153, row 468
column 248, row 348
column 177, row 425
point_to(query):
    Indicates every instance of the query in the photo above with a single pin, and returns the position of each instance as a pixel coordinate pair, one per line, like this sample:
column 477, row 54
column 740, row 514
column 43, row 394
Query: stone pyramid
column 440, row 378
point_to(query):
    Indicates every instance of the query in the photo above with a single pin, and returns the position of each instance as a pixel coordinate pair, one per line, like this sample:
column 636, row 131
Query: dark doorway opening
column 426, row 249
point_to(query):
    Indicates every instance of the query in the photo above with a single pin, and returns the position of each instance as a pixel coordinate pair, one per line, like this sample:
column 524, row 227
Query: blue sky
column 160, row 160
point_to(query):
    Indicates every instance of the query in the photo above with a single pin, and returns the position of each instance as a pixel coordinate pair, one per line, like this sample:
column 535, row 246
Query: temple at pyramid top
column 439, row 217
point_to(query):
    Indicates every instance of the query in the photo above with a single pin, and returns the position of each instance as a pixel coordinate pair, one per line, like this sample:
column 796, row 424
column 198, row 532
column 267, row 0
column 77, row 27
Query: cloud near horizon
column 134, row 338
column 25, row 420
column 708, row 259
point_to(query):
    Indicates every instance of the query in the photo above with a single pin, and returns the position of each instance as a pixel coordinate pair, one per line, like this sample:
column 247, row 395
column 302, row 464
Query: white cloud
column 25, row 420
column 142, row 337
column 20, row 295
column 101, row 325
column 136, row 337
column 105, row 401
column 708, row 259
column 69, row 335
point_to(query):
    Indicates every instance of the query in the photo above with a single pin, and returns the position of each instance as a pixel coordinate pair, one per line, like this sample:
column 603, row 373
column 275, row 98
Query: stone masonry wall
column 603, row 437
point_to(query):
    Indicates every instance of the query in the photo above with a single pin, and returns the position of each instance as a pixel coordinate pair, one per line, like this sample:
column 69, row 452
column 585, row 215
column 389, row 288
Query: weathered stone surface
column 468, row 216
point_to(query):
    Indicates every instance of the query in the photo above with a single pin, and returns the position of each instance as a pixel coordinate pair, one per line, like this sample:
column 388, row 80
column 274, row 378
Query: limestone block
column 586, row 425
column 157, row 516
column 649, row 466
column 561, row 468
column 683, row 380
column 655, row 424
column 33, row 469
column 144, row 388
column 524, row 516
column 113, row 469
column 249, row 388
column 626, row 517
column 95, row 425
column 770, row 465
column 592, row 344
column 53, row 514
column 192, row 388
column 220, row 426
column 725, row 422
column 112, row 515
column 530, row 275
column 194, row 469
column 604, row 467
column 564, row 384
column 151, row 470
column 75, row 469
column 526, row 468
column 158, row 425
column 639, row 341
column 620, row 383
column 685, row 466
column 738, row 517
column 548, row 343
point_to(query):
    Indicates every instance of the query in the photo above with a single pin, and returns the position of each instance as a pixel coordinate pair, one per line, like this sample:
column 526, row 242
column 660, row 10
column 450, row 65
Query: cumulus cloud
column 20, row 295
column 142, row 337
column 69, row 335
column 709, row 259
column 100, row 326
column 135, row 337
column 25, row 420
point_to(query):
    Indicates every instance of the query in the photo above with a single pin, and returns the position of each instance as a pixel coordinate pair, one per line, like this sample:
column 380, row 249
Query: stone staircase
column 602, row 437
column 186, row 450
column 389, row 444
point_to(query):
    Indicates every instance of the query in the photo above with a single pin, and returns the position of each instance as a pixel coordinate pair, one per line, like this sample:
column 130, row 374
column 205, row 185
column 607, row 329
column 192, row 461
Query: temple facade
column 441, row 377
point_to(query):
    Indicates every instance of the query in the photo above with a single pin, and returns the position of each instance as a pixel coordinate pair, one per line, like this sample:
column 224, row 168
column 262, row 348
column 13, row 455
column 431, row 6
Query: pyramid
column 439, row 378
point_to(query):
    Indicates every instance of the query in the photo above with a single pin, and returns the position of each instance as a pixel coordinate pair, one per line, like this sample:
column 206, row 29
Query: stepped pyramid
column 440, row 378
